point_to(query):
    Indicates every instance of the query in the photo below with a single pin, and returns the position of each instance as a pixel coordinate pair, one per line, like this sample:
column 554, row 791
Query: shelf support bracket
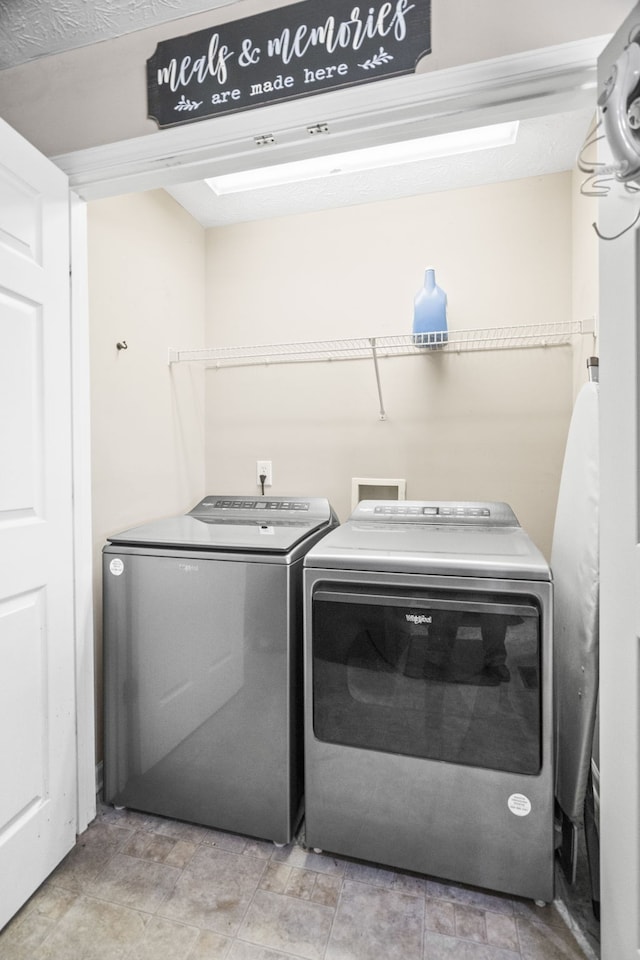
column 374, row 354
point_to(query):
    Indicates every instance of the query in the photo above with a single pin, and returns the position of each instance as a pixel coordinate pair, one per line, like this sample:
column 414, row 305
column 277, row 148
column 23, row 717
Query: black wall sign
column 285, row 54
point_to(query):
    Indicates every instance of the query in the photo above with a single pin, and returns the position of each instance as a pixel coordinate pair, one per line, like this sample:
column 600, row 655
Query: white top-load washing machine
column 202, row 663
column 428, row 700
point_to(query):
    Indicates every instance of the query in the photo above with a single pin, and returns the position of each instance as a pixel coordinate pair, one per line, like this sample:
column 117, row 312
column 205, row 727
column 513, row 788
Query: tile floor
column 138, row 887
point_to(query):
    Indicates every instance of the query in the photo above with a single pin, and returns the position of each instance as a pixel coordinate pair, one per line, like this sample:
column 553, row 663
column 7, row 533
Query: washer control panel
column 223, row 509
column 261, row 504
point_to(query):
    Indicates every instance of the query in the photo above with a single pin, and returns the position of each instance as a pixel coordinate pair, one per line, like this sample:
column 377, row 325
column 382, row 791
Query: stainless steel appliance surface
column 202, row 663
column 428, row 694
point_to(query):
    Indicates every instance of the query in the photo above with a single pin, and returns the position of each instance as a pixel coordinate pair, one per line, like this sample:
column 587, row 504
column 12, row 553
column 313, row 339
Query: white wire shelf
column 457, row 341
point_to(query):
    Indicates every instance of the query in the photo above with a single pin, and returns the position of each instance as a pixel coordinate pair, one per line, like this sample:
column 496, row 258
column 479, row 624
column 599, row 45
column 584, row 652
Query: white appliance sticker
column 519, row 805
column 116, row 566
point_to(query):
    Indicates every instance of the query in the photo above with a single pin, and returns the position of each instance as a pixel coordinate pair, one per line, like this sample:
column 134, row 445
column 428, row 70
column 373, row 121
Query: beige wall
column 146, row 287
column 97, row 94
column 488, row 425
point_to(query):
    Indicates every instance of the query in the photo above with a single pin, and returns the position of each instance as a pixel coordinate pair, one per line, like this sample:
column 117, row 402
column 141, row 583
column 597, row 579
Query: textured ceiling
column 30, row 29
column 544, row 146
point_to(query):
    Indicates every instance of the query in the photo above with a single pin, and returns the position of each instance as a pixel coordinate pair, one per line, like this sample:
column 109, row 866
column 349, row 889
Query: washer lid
column 256, row 524
column 444, row 538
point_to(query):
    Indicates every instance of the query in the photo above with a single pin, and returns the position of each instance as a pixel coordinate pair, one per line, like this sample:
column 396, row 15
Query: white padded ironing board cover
column 575, row 569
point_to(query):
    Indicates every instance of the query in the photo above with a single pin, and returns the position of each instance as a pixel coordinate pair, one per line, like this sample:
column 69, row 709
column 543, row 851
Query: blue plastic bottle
column 430, row 313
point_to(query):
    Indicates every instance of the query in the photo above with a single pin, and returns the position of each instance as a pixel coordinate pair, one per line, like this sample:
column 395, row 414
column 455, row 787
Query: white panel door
column 37, row 690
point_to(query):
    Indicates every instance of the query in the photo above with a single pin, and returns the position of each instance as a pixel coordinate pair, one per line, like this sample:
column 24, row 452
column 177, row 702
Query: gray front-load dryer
column 202, row 663
column 428, row 701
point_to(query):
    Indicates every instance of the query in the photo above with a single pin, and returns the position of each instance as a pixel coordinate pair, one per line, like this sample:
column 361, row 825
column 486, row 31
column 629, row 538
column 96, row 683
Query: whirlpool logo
column 417, row 618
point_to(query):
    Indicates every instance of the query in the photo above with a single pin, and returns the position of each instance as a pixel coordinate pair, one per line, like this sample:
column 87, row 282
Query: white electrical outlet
column 263, row 468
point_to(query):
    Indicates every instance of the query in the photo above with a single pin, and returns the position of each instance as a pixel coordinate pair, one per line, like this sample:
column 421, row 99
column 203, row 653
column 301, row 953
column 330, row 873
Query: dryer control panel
column 493, row 514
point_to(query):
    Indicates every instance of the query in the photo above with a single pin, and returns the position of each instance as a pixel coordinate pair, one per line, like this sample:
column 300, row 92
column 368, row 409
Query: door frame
column 619, row 309
column 534, row 83
column 82, row 545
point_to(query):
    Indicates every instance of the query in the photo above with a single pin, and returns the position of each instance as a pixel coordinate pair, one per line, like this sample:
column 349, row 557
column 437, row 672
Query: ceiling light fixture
column 370, row 158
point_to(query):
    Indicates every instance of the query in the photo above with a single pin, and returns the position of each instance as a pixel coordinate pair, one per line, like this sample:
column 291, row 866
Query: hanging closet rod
column 458, row 341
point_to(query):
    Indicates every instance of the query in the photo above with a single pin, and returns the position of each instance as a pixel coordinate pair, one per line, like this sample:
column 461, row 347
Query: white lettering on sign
column 226, row 95
column 352, row 33
column 325, row 73
column 280, row 83
column 214, row 64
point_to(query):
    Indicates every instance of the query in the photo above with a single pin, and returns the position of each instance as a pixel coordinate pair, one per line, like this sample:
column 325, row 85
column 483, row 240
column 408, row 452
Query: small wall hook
column 122, row 345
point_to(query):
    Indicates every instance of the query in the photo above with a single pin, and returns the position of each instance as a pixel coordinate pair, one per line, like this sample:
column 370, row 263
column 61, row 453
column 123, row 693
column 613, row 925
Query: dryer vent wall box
column 428, row 694
column 202, row 618
column 372, row 488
